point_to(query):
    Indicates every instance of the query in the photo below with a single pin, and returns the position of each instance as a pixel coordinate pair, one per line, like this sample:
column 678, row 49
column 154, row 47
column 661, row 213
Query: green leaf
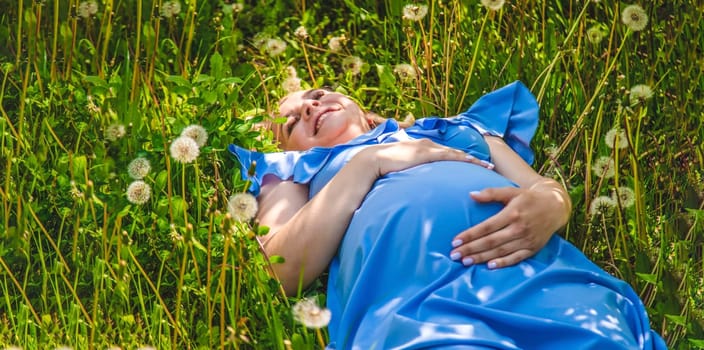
column 96, row 81
column 648, row 277
column 216, row 65
column 198, row 245
column 179, row 80
column 697, row 342
column 277, row 259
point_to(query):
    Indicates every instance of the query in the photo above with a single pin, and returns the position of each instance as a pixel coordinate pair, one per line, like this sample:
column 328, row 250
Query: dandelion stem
column 470, row 71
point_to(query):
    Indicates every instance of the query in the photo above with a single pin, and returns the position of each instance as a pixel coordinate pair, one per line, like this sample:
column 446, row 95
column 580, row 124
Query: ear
column 374, row 119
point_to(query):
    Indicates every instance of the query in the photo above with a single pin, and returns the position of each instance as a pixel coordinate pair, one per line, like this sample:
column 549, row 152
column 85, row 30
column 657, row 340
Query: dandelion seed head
column 114, row 132
column 405, row 72
column 604, row 167
column 595, row 34
column 602, row 205
column 237, row 7
column 552, row 151
column 624, row 195
column 170, row 8
column 184, row 149
column 336, row 43
column 493, row 5
column 138, row 192
column 301, row 33
column 274, row 47
column 139, row 168
column 197, row 133
column 291, row 84
column 616, row 138
column 242, row 206
column 352, row 64
column 291, row 71
column 414, row 12
column 87, row 8
column 639, row 94
column 634, row 17
column 307, row 312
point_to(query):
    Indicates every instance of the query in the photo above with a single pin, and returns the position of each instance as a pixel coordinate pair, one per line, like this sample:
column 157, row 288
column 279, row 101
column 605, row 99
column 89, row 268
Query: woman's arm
column 532, row 213
column 307, row 233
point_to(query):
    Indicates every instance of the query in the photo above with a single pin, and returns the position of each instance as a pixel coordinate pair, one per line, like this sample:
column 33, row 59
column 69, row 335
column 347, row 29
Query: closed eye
column 317, row 94
column 290, row 123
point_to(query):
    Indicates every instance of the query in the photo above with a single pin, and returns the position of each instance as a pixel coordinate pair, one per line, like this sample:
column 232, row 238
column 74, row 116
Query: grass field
column 99, row 252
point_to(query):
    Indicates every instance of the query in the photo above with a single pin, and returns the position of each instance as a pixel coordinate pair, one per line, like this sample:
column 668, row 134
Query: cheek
column 296, row 141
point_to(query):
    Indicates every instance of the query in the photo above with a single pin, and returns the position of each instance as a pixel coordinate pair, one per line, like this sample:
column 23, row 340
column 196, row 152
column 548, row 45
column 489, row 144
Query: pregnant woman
column 437, row 235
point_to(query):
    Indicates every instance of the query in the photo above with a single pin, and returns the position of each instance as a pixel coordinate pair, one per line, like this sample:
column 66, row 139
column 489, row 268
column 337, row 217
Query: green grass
column 81, row 266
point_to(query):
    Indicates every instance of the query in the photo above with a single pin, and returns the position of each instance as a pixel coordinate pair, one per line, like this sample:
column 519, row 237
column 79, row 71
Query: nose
column 308, row 107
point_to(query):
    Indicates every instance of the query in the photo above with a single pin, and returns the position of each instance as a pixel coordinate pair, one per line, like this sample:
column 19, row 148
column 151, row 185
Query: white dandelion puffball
column 138, row 192
column 274, row 47
column 493, row 5
column 308, row 313
column 624, row 195
column 87, row 9
column 595, row 34
column 405, row 72
column 639, row 94
column 616, row 138
column 242, row 206
column 414, row 12
column 301, row 33
column 335, row 44
column 353, row 64
column 291, row 84
column 114, row 132
column 184, row 149
column 603, row 205
column 170, row 8
column 634, row 17
column 197, row 133
column 237, row 7
column 139, row 168
column 604, row 167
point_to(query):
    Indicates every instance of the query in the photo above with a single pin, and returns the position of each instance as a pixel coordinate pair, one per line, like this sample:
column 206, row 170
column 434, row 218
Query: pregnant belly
column 402, row 232
column 411, row 216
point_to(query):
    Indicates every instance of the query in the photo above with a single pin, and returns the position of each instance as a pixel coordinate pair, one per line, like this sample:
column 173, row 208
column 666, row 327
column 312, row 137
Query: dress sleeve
column 299, row 167
column 510, row 112
column 255, row 165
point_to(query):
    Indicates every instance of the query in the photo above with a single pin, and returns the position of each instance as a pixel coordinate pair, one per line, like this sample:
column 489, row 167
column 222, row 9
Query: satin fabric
column 392, row 284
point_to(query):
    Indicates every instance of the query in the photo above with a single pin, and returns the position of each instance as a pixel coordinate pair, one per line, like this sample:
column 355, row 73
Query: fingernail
column 487, row 164
column 455, row 256
column 470, row 157
column 467, row 261
column 491, row 265
column 456, row 243
column 474, row 193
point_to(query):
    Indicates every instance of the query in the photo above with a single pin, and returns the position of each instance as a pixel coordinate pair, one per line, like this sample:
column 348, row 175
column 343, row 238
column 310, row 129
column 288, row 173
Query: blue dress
column 392, row 284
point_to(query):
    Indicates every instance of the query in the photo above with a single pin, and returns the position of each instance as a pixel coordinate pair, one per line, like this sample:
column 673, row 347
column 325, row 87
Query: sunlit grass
column 83, row 266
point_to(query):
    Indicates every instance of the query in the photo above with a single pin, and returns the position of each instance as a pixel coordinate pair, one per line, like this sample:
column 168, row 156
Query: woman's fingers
column 405, row 154
column 496, row 255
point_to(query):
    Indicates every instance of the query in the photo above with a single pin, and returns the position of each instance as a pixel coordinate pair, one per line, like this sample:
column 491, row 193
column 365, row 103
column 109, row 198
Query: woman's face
column 319, row 118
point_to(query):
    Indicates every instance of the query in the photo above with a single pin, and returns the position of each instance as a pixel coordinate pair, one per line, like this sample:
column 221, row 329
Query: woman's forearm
column 309, row 240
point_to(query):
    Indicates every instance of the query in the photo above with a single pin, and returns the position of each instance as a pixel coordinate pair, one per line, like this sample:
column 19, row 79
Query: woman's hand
column 397, row 156
column 531, row 214
column 517, row 232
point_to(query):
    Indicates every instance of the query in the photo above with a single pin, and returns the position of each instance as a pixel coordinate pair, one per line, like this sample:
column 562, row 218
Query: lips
column 321, row 117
